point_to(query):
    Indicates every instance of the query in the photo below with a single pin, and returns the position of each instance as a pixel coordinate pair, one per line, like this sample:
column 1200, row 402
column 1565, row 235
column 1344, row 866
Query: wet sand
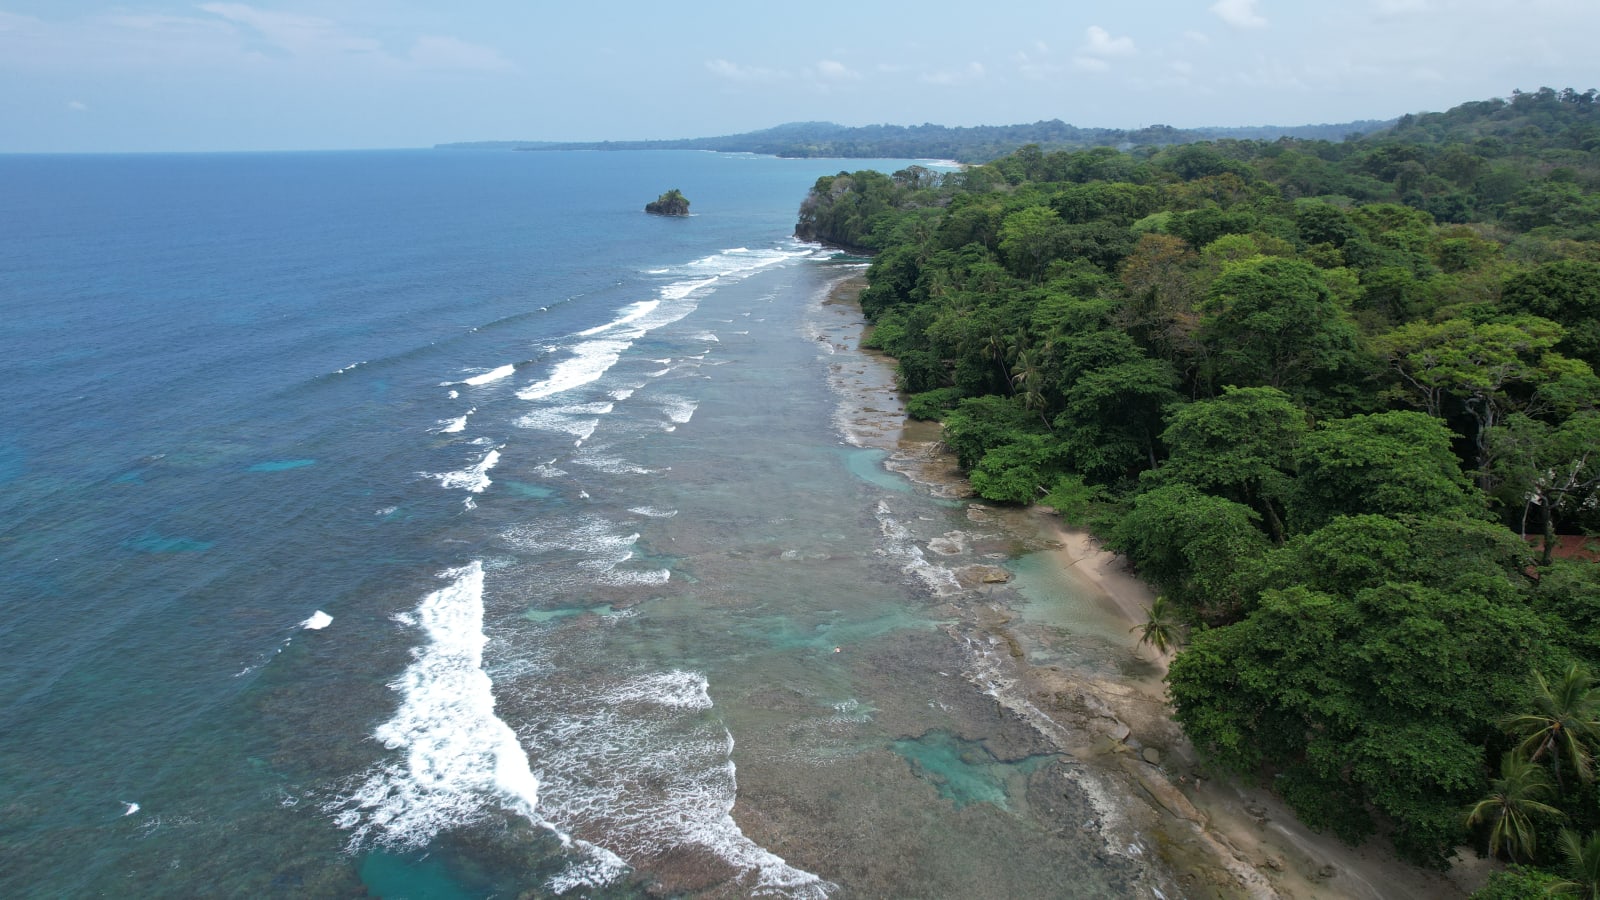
column 1217, row 838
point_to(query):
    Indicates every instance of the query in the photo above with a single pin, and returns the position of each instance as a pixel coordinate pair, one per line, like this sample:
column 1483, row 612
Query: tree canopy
column 1317, row 394
column 672, row 203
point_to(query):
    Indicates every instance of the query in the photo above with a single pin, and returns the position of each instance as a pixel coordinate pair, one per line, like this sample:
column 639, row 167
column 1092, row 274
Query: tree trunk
column 1549, row 534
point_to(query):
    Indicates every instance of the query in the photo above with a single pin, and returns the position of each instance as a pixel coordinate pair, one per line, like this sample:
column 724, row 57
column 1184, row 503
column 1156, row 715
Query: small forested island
column 1335, row 402
column 672, row 203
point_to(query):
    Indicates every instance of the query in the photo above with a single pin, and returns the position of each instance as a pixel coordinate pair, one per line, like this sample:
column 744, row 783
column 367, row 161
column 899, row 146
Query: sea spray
column 645, row 766
column 474, row 479
column 454, row 752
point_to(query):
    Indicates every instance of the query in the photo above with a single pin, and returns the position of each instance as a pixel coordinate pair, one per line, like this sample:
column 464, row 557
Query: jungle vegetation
column 1332, row 400
column 671, row 203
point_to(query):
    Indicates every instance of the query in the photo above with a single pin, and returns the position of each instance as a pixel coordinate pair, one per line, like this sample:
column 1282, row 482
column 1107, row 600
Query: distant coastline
column 982, row 143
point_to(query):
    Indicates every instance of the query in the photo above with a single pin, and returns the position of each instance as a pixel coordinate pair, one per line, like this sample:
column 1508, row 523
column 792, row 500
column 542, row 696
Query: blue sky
column 141, row 75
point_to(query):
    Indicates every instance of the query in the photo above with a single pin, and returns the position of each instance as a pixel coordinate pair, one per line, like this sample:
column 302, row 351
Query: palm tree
column 1514, row 799
column 1161, row 629
column 1027, row 375
column 1565, row 721
column 1583, row 864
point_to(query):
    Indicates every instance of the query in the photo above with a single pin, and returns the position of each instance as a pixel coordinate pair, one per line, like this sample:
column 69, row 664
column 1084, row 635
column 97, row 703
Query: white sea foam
column 677, row 688
column 453, row 753
column 614, row 465
column 740, row 262
column 456, row 425
column 454, row 394
column 653, row 512
column 496, row 374
column 590, row 536
column 474, row 479
column 598, row 868
column 642, row 765
column 678, row 409
column 579, row 420
column 631, row 577
column 621, row 394
column 604, row 551
column 631, row 313
column 130, row 808
column 899, row 544
column 318, row 621
column 588, row 362
column 682, row 289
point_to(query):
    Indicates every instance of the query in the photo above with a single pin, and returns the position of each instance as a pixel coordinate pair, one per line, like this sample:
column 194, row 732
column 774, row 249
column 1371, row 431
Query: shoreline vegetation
column 1316, row 395
column 1223, row 839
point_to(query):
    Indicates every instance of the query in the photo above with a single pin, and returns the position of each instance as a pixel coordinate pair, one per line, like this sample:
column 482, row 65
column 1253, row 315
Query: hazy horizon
column 152, row 75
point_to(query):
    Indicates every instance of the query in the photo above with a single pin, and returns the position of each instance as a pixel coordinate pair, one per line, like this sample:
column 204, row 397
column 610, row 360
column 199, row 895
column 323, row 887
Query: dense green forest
column 1330, row 400
column 974, row 144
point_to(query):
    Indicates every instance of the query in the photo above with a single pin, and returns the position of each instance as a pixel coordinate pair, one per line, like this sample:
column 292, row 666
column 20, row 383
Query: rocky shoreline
column 1212, row 838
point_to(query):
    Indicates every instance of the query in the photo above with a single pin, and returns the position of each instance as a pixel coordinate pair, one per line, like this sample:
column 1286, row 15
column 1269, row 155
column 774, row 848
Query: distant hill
column 974, row 145
column 1545, row 121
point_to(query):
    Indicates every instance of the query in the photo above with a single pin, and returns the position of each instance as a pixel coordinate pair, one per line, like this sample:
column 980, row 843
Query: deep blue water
column 565, row 477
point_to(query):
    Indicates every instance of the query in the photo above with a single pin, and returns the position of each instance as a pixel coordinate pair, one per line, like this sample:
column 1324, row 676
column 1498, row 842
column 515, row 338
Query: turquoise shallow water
column 439, row 525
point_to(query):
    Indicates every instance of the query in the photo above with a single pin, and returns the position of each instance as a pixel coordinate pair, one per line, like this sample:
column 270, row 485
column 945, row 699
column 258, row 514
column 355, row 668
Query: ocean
column 439, row 525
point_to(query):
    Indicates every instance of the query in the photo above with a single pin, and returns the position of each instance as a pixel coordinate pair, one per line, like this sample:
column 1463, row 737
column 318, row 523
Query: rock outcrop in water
column 672, row 203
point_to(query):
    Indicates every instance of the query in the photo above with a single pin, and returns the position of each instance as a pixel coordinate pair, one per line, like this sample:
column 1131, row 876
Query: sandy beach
column 1218, row 838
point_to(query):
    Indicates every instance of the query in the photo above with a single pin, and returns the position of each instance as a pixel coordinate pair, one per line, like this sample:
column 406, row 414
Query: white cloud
column 439, row 52
column 833, row 70
column 1401, row 7
column 295, row 34
column 1099, row 43
column 1091, row 63
column 1239, row 13
column 734, row 72
column 1037, row 63
column 1197, row 37
column 1271, row 76
column 973, row 71
column 77, row 106
column 116, row 42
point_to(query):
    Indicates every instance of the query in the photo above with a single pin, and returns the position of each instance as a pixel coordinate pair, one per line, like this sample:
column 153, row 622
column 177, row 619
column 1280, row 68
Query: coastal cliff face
column 672, row 203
